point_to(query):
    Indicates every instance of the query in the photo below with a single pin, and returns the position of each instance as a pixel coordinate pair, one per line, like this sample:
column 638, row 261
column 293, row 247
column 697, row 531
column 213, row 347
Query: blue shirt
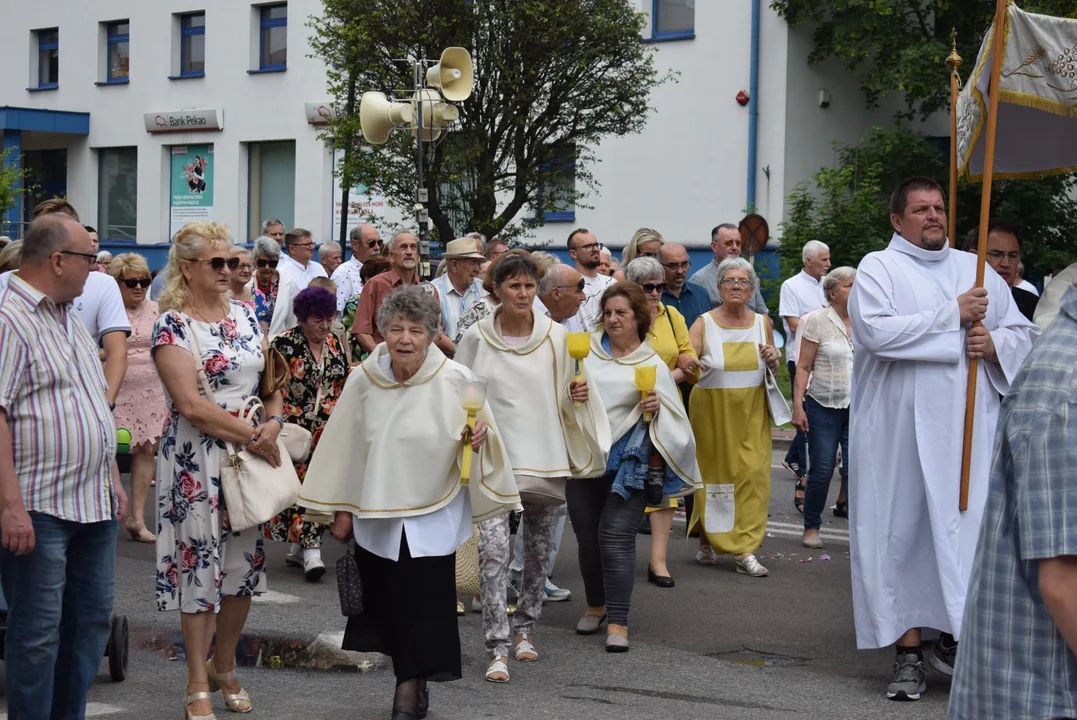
column 1012, row 661
column 692, row 302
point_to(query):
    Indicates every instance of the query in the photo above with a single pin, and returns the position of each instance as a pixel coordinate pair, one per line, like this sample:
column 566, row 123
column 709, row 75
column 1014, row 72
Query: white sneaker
column 555, row 594
column 706, row 556
column 293, row 560
column 313, row 567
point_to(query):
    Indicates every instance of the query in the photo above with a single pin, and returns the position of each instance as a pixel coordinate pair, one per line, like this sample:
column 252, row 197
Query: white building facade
column 146, row 114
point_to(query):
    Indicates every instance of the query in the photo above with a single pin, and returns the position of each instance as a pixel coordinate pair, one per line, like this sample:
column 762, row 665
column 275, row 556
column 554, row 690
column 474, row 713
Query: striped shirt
column 52, row 389
column 454, row 303
column 1012, row 661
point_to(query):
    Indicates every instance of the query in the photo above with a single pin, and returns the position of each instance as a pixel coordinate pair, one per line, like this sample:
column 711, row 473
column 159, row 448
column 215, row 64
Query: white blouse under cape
column 392, row 450
column 545, row 433
column 670, row 430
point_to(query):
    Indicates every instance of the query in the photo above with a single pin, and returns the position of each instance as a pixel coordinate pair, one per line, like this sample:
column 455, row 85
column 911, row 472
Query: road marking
column 795, row 526
column 92, row 710
column 274, row 598
column 800, row 533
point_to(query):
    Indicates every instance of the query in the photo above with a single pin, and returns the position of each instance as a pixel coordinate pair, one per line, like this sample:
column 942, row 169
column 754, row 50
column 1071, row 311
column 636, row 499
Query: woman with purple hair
column 318, row 370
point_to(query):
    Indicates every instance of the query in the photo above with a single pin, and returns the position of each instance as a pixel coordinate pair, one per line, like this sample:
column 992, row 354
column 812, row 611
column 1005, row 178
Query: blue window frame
column 673, row 19
column 119, row 47
column 48, row 58
column 193, row 45
column 273, row 37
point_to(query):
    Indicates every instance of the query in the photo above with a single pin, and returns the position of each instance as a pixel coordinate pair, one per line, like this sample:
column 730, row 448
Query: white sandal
column 524, row 647
column 750, row 566
column 497, row 666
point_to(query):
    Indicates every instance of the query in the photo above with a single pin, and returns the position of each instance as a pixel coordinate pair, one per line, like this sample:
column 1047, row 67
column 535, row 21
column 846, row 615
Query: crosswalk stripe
column 800, row 533
column 833, row 531
column 92, row 710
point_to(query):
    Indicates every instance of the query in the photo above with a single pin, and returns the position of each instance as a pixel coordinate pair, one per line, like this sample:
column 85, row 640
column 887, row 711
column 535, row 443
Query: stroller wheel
column 116, row 650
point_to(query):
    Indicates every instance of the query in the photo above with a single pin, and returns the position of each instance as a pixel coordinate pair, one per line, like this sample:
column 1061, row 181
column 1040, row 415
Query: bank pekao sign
column 184, row 121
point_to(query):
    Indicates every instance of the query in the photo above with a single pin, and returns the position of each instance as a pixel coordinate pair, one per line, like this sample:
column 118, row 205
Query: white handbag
column 776, row 404
column 255, row 491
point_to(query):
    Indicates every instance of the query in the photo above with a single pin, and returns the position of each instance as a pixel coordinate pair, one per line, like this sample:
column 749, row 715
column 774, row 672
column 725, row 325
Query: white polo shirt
column 99, row 307
column 301, row 275
column 799, row 296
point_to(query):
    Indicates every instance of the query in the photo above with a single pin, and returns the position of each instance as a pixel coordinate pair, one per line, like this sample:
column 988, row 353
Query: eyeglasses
column 579, row 286
column 90, row 258
column 736, row 283
column 588, row 247
column 263, row 263
column 143, row 283
column 218, row 263
column 674, row 267
column 653, row 287
column 302, row 245
column 246, row 266
column 999, row 255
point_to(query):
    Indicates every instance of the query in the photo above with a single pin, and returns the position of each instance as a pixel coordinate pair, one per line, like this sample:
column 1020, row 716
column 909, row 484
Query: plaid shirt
column 52, row 389
column 1012, row 661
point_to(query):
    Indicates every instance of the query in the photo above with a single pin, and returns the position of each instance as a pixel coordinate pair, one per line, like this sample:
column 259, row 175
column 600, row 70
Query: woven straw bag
column 467, row 566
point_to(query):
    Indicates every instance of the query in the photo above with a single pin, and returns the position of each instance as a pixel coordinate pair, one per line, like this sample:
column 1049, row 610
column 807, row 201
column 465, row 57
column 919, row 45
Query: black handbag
column 349, row 585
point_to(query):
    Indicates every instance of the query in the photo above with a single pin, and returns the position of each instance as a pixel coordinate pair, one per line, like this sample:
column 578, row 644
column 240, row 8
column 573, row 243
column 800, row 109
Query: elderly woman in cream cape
column 524, row 356
column 605, row 511
column 387, row 471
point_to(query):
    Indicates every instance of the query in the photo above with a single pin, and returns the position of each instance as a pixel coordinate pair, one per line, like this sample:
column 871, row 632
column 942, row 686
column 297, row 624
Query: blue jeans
column 827, row 428
column 797, row 448
column 59, row 616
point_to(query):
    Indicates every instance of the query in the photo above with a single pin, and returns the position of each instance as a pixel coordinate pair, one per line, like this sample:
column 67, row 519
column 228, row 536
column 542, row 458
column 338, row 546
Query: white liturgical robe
column 911, row 547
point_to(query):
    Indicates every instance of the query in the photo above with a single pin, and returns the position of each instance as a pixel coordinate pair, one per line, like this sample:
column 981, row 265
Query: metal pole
column 343, row 239
column 421, row 194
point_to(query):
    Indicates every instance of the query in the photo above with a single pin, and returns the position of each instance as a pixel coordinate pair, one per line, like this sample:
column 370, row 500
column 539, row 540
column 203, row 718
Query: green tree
column 552, row 80
column 12, row 185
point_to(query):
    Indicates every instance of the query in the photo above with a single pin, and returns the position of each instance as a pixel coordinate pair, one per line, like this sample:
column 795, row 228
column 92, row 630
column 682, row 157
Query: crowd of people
column 376, row 360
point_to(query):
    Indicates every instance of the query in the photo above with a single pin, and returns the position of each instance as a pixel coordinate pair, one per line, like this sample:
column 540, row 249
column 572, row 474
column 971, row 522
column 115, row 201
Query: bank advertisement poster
column 364, row 205
column 191, row 192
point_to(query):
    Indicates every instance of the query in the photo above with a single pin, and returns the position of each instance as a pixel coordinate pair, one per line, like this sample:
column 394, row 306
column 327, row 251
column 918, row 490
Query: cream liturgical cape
column 911, row 548
column 546, row 434
column 670, row 431
column 393, row 450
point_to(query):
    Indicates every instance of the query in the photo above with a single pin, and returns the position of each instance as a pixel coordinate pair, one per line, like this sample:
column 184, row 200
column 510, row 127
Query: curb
column 271, row 650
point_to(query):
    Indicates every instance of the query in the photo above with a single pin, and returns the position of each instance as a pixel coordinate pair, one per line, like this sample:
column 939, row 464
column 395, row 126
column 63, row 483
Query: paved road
column 719, row 645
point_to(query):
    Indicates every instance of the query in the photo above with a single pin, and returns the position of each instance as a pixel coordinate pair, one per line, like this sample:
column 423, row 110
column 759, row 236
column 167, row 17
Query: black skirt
column 409, row 614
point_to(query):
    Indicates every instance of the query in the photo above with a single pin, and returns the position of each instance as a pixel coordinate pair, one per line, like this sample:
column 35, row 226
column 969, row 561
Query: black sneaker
column 943, row 655
column 795, row 469
column 910, row 678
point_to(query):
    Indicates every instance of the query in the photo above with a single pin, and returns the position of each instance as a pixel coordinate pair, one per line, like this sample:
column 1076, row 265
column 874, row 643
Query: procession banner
column 1037, row 108
column 191, row 185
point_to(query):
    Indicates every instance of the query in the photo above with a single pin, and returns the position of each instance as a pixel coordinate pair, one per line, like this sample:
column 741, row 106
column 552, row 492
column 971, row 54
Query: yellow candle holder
column 472, row 399
column 579, row 347
column 646, row 378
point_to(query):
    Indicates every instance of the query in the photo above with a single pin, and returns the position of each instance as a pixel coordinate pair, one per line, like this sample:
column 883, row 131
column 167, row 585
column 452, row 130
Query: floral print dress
column 300, row 396
column 199, row 559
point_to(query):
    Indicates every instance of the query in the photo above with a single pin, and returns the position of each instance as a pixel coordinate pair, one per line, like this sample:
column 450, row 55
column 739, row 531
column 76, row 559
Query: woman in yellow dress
column 731, row 422
column 668, row 337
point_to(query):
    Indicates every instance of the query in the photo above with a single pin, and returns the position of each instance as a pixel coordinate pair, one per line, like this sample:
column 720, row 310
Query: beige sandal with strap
column 193, row 698
column 239, row 702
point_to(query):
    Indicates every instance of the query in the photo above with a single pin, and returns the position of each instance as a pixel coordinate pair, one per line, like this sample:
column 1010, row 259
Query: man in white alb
column 912, row 308
column 800, row 295
column 585, row 251
column 297, row 268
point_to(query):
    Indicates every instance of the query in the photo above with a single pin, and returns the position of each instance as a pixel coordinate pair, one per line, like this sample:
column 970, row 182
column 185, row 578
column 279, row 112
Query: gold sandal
column 232, row 701
column 195, row 697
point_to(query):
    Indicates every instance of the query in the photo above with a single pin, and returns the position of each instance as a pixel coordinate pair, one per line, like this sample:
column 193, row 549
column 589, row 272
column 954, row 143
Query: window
column 271, row 173
column 557, row 194
column 118, row 51
column 673, row 19
column 48, row 58
column 273, row 38
column 117, row 193
column 193, row 45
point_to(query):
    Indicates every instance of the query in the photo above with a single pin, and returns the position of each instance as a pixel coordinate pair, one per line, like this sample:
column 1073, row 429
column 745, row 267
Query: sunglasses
column 374, row 244
column 218, row 263
column 263, row 263
column 143, row 283
column 579, row 286
column 653, row 287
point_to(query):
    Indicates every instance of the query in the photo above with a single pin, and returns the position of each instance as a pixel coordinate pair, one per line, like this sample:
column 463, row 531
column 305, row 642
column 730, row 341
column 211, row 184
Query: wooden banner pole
column 997, row 49
column 953, row 62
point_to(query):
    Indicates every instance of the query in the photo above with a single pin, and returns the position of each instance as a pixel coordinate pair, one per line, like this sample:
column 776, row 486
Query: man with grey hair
column 274, row 228
column 60, row 495
column 800, row 295
column 459, row 288
column 404, row 258
column 365, row 241
column 330, row 255
column 725, row 243
column 296, row 268
column 560, row 295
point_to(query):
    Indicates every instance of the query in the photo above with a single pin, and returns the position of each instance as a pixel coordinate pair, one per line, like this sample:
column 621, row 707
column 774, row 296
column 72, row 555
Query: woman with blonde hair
column 206, row 570
column 644, row 243
column 140, row 405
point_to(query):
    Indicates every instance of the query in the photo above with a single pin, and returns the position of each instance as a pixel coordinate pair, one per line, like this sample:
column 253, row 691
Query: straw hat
column 464, row 248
